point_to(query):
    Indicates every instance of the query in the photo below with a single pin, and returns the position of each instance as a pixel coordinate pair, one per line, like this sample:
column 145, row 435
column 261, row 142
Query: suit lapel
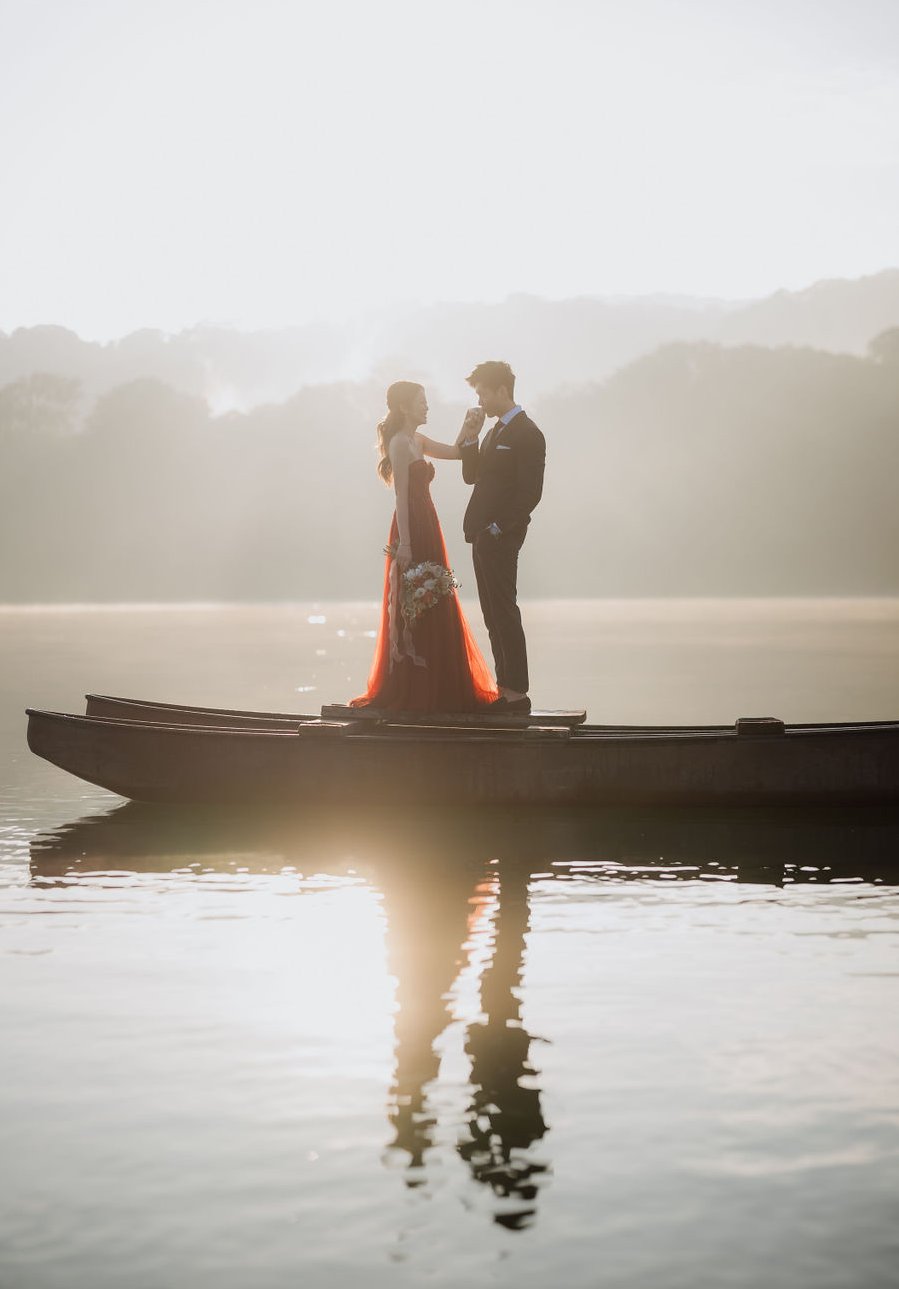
column 495, row 431
column 492, row 436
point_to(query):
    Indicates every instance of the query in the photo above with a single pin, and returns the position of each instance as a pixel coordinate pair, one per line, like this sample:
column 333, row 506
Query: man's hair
column 493, row 375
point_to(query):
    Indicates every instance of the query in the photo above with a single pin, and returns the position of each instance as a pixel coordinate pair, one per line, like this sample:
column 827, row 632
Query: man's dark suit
column 507, row 473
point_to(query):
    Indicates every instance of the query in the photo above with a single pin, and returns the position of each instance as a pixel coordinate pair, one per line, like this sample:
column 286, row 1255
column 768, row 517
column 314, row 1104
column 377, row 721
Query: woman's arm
column 400, row 452
column 433, row 448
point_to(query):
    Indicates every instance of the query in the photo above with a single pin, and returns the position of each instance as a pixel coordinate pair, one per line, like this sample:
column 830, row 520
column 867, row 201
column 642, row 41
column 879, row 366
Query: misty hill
column 701, row 469
column 837, row 315
column 551, row 343
column 697, row 469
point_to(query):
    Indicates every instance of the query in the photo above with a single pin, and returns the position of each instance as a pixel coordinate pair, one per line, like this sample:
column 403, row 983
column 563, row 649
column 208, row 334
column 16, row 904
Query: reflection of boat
column 273, row 759
column 621, row 844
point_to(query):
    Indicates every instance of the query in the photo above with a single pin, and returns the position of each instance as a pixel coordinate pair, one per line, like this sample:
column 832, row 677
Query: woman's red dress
column 432, row 664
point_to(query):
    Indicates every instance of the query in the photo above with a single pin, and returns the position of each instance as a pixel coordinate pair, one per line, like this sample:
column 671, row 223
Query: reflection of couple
column 503, row 1119
column 428, row 661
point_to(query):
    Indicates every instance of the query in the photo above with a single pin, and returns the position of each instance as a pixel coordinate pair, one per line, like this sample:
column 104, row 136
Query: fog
column 695, row 467
column 231, row 225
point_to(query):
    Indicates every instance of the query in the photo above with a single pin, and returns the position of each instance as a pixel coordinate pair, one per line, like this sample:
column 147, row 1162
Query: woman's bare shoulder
column 400, row 448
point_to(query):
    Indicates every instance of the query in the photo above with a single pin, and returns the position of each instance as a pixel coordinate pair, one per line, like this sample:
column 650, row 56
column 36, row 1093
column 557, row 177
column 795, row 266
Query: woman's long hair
column 399, row 395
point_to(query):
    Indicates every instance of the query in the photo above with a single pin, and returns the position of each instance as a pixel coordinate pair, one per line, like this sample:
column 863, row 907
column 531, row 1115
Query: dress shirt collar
column 506, row 418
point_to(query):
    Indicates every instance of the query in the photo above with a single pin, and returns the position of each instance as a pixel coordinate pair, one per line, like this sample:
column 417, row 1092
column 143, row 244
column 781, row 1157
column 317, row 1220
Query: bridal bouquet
column 423, row 586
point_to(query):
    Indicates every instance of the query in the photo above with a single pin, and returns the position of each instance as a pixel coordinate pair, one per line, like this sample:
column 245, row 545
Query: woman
column 429, row 663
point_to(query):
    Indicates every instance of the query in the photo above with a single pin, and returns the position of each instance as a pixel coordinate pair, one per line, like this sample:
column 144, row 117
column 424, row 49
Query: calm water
column 618, row 1049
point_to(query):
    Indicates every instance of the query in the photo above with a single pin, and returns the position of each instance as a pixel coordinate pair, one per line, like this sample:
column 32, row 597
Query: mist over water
column 676, row 662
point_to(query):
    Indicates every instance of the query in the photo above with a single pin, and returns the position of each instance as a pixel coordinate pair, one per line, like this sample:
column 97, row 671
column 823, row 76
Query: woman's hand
column 403, row 556
column 472, row 425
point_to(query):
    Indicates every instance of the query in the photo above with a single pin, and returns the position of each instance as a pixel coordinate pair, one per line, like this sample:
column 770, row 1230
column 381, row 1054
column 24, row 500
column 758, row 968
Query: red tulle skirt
column 432, row 664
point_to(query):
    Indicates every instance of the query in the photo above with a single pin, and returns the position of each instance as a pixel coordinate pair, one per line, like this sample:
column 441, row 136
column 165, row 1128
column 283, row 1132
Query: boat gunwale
column 576, row 730
column 385, row 732
column 210, row 711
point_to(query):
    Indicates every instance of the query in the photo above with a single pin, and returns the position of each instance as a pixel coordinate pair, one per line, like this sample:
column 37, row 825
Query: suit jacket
column 507, row 474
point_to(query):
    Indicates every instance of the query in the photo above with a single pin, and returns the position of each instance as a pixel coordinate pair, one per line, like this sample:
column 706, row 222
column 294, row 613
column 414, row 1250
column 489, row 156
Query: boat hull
column 318, row 764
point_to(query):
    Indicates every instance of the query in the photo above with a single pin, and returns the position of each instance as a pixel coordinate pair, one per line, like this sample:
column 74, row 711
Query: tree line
column 698, row 469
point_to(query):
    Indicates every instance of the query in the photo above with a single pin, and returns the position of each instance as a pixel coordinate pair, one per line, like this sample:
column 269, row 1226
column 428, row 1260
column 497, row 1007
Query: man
column 507, row 473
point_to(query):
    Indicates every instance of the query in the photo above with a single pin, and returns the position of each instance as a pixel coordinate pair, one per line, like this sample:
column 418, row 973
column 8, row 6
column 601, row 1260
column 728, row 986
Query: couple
column 426, row 659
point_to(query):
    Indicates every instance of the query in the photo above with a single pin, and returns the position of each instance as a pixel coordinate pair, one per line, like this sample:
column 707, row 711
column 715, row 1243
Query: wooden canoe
column 266, row 758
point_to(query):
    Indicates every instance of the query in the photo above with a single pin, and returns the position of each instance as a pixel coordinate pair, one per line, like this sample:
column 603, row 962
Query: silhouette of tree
column 885, row 347
column 40, row 404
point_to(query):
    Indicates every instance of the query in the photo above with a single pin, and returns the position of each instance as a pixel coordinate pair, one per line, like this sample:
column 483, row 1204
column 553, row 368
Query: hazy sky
column 262, row 162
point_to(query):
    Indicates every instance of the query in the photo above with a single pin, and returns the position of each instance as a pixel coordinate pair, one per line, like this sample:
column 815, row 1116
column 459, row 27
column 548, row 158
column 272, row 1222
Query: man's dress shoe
column 511, row 706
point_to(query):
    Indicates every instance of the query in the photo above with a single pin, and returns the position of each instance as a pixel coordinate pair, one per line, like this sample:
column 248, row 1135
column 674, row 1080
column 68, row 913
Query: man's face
column 491, row 400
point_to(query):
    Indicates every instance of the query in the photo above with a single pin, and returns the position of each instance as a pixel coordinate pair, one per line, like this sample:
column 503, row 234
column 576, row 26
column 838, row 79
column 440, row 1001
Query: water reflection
column 504, row 1117
column 774, row 845
column 438, row 929
column 427, row 928
column 456, row 892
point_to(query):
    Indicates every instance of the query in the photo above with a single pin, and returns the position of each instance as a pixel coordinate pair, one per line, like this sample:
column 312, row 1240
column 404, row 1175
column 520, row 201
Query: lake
column 405, row 1047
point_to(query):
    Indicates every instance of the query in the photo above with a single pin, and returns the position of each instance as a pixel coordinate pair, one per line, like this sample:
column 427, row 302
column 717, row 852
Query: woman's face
column 417, row 411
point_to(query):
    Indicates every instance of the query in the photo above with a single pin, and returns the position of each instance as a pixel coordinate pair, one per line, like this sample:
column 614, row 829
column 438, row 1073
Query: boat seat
column 759, row 727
